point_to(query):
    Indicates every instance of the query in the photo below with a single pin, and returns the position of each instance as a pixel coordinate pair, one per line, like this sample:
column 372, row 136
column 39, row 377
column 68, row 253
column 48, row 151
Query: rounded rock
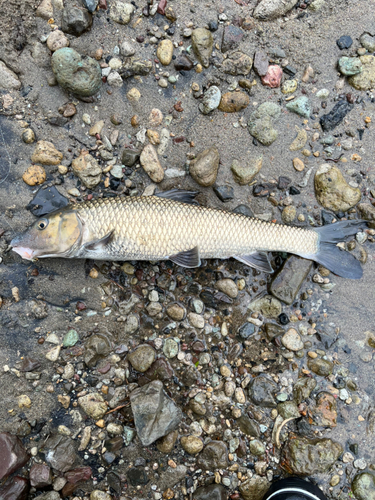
column 164, row 52
column 365, row 80
column 142, row 357
column 176, row 312
column 170, row 348
column 34, row 175
column 99, row 495
column 57, row 40
column 289, row 214
column 191, row 444
column 289, row 86
column 298, row 164
column 121, row 11
column 257, row 448
column 292, row 340
column 228, row 287
column 151, row 164
column 133, row 95
column 205, row 167
column 211, row 100
column 232, row 102
column 363, row 486
column 75, row 73
column 332, row 191
column 321, row 367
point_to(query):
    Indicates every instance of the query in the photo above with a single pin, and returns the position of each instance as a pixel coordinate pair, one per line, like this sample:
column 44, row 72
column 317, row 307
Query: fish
column 172, row 225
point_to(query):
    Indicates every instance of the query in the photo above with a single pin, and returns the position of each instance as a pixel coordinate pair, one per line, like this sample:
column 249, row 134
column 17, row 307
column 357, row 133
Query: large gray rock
column 363, row 486
column 155, row 414
column 289, row 278
column 214, row 456
column 262, row 391
column 271, row 9
column 76, row 20
column 60, row 452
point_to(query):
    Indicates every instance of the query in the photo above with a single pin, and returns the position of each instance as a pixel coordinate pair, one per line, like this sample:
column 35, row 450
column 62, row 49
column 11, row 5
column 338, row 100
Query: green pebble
column 71, row 338
column 300, row 106
column 349, row 66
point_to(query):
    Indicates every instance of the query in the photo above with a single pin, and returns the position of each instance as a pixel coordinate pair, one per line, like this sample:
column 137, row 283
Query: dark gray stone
column 344, row 42
column 246, row 330
column 262, row 391
column 288, row 279
column 155, row 414
column 97, row 347
column 213, row 456
column 249, row 426
column 244, row 210
column 232, row 36
column 260, row 63
column 273, row 330
column 224, row 193
column 184, row 63
column 211, row 492
column 137, row 476
column 91, row 5
column 76, row 20
column 303, row 388
column 60, row 452
column 130, row 157
column 335, row 116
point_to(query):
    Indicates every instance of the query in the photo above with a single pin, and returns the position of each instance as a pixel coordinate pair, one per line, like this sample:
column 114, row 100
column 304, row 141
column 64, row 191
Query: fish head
column 53, row 235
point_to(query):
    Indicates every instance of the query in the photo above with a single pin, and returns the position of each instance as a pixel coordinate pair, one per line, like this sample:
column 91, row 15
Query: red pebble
column 273, row 76
column 161, row 7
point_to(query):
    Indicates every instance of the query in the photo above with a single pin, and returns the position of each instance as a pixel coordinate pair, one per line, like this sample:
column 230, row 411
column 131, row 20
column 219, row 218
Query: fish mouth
column 24, row 252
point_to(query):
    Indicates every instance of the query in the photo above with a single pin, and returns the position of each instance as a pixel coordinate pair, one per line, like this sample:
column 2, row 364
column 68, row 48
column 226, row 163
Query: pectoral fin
column 98, row 245
column 189, row 258
column 181, row 195
column 258, row 260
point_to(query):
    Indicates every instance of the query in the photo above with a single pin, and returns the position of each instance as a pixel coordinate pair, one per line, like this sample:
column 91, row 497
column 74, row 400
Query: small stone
column 245, row 174
column 8, row 79
column 271, row 9
column 93, row 405
column 13, row 454
column 260, row 63
column 46, row 154
column 155, row 414
column 165, row 52
column 228, row 287
column 267, row 305
column 167, row 443
column 24, row 401
column 28, row 136
column 325, row 413
column 133, row 95
column 191, row 444
column 75, row 73
column 232, row 36
column 363, row 486
column 262, row 391
column 130, row 157
column 303, row 388
column 40, row 476
column 332, row 191
column 335, row 479
column 211, row 492
column 151, row 164
column 349, row 65
column 254, row 488
column 214, row 456
column 115, row 63
column 87, row 168
column 368, row 42
column 114, row 79
column 34, row 175
column 224, row 193
column 176, row 312
column 365, row 80
column 288, row 280
column 155, row 118
column 292, row 340
column 163, row 83
column 344, row 42
column 170, row 348
column 320, row 366
column 237, row 63
column 45, row 10
column 75, row 20
column 211, row 100
column 183, row 63
column 57, row 40
column 53, row 354
column 336, row 115
column 202, row 42
column 288, row 214
column 301, row 106
column 127, row 49
column 298, row 164
column 322, row 94
column 153, row 137
column 121, row 11
column 261, row 123
column 99, row 495
column 142, row 357
column 196, row 320
column 273, row 76
column 232, row 102
column 205, row 167
column 289, row 86
column 257, row 448
column 300, row 141
column 306, row 456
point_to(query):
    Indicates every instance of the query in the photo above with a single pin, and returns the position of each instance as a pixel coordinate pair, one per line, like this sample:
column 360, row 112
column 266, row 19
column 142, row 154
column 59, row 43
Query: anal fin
column 189, row 258
column 258, row 260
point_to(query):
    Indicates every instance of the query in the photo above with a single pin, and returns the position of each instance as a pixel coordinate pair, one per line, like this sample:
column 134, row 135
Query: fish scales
column 153, row 228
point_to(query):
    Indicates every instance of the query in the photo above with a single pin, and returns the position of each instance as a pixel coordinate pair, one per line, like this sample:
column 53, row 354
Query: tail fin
column 334, row 258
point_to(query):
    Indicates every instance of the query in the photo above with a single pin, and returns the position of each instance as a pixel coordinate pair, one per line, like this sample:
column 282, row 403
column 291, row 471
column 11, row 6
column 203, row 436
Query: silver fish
column 171, row 226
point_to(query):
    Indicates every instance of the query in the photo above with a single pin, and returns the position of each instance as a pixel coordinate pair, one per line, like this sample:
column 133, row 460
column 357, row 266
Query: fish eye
column 42, row 224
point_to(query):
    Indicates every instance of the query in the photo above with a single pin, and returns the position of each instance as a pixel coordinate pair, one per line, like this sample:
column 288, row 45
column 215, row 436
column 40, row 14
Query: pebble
column 121, row 12
column 202, row 42
column 244, row 174
column 165, row 52
column 13, row 454
column 360, row 463
column 232, row 102
column 196, row 320
column 34, row 175
column 75, row 73
column 53, row 354
column 176, row 312
column 228, row 287
column 204, row 167
column 213, row 456
column 289, row 86
column 349, row 65
column 266, row 10
column 87, row 168
column 288, row 214
column 183, row 63
column 191, row 444
column 298, row 164
column 163, row 83
column 151, row 164
column 237, row 63
column 311, row 456
column 292, row 340
column 330, row 121
column 332, row 191
column 320, row 366
column 257, row 448
column 99, row 495
column 322, row 94
column 365, row 80
column 46, row 154
column 57, row 40
column 75, row 20
column 114, row 79
column 272, row 78
column 142, row 357
column 8, row 79
column 24, row 401
column 232, row 36
column 363, row 486
column 367, row 41
column 261, row 123
column 260, row 63
column 93, row 405
column 300, row 106
column 170, row 348
column 335, row 479
column 116, row 171
column 211, row 100
column 344, row 42
column 133, row 95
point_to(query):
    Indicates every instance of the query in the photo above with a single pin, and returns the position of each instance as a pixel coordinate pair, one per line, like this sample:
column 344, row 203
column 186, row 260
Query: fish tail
column 332, row 257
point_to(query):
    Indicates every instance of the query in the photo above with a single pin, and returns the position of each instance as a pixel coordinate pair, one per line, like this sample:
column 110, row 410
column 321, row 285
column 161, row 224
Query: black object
column 283, row 318
column 294, row 488
column 344, row 42
column 224, row 193
column 335, row 116
column 46, row 201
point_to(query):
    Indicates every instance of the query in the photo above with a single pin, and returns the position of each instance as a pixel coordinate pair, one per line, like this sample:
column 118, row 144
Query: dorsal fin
column 179, row 195
column 189, row 258
column 258, row 260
